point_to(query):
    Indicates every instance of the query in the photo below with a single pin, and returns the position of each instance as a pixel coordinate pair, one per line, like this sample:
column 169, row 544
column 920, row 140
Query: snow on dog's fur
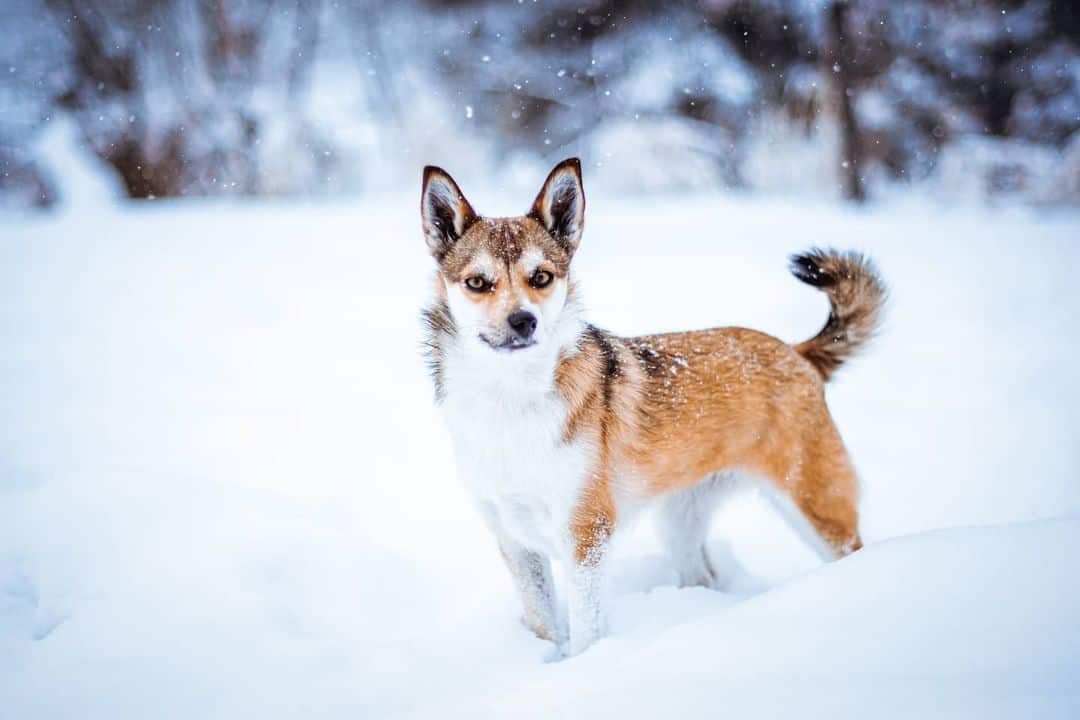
column 561, row 429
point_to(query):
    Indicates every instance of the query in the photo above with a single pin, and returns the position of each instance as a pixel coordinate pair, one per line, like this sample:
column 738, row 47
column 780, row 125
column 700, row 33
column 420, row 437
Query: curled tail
column 856, row 298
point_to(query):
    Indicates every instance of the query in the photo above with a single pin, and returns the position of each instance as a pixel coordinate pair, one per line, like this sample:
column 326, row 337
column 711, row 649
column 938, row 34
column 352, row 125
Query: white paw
column 556, row 652
column 578, row 645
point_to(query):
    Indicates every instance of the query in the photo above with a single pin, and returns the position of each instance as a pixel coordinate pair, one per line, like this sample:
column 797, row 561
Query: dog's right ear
column 445, row 211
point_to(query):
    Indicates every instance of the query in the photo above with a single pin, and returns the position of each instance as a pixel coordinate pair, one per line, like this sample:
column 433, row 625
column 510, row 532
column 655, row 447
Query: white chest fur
column 507, row 429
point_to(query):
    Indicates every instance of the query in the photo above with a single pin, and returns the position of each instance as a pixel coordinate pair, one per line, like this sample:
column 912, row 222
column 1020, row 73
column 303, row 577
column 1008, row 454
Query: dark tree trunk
column 999, row 89
column 841, row 56
column 101, row 69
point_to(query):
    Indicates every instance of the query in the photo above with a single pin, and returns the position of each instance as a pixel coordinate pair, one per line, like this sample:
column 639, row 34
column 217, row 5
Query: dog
column 562, row 431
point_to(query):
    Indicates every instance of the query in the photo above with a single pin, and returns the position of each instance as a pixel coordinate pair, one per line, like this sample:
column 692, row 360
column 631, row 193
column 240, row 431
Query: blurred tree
column 171, row 93
column 842, row 56
column 293, row 96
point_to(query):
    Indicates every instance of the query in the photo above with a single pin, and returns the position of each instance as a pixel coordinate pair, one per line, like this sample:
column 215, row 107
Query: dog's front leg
column 532, row 577
column 591, row 532
column 585, row 606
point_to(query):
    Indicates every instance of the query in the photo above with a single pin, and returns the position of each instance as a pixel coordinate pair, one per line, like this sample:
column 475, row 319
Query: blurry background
column 959, row 98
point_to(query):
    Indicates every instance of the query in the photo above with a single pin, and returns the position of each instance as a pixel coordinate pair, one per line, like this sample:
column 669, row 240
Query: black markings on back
column 607, row 351
column 609, row 374
column 649, row 358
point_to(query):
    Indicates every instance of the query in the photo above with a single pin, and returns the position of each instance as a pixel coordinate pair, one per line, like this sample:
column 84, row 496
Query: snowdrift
column 225, row 491
column 972, row 622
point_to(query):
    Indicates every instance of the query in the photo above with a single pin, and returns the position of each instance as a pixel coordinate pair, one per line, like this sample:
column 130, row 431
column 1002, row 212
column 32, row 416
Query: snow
column 224, row 488
column 912, row 627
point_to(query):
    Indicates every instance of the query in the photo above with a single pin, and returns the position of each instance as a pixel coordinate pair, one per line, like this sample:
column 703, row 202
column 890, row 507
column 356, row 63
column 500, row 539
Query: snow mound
column 971, row 622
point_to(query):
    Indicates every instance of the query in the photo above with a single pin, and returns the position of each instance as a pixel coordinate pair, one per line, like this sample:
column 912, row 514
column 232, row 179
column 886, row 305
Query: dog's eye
column 477, row 284
column 541, row 278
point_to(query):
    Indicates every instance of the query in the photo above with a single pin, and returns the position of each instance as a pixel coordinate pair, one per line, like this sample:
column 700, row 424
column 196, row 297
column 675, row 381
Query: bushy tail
column 856, row 297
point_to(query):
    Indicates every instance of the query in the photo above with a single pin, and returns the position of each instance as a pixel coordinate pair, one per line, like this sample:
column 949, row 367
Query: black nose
column 523, row 322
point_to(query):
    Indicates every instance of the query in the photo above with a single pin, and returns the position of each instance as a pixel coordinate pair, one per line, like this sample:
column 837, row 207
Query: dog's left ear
column 445, row 212
column 560, row 206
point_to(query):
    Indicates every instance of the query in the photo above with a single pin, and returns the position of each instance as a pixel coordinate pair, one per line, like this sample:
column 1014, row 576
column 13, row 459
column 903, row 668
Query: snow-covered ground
column 225, row 491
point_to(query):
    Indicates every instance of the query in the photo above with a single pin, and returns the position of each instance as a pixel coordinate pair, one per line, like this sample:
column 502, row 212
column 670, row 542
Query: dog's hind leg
column 819, row 496
column 683, row 522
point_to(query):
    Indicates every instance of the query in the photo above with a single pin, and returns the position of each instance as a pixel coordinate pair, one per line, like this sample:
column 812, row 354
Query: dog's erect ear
column 445, row 211
column 560, row 206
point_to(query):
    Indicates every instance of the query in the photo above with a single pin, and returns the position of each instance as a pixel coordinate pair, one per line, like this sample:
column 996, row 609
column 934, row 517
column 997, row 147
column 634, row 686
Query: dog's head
column 506, row 279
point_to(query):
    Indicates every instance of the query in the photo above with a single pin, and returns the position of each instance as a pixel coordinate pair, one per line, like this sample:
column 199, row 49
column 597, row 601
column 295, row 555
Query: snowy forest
column 970, row 98
column 228, row 488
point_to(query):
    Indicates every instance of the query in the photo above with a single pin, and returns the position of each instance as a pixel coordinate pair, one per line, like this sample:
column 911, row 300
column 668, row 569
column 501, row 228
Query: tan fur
column 683, row 405
column 856, row 300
